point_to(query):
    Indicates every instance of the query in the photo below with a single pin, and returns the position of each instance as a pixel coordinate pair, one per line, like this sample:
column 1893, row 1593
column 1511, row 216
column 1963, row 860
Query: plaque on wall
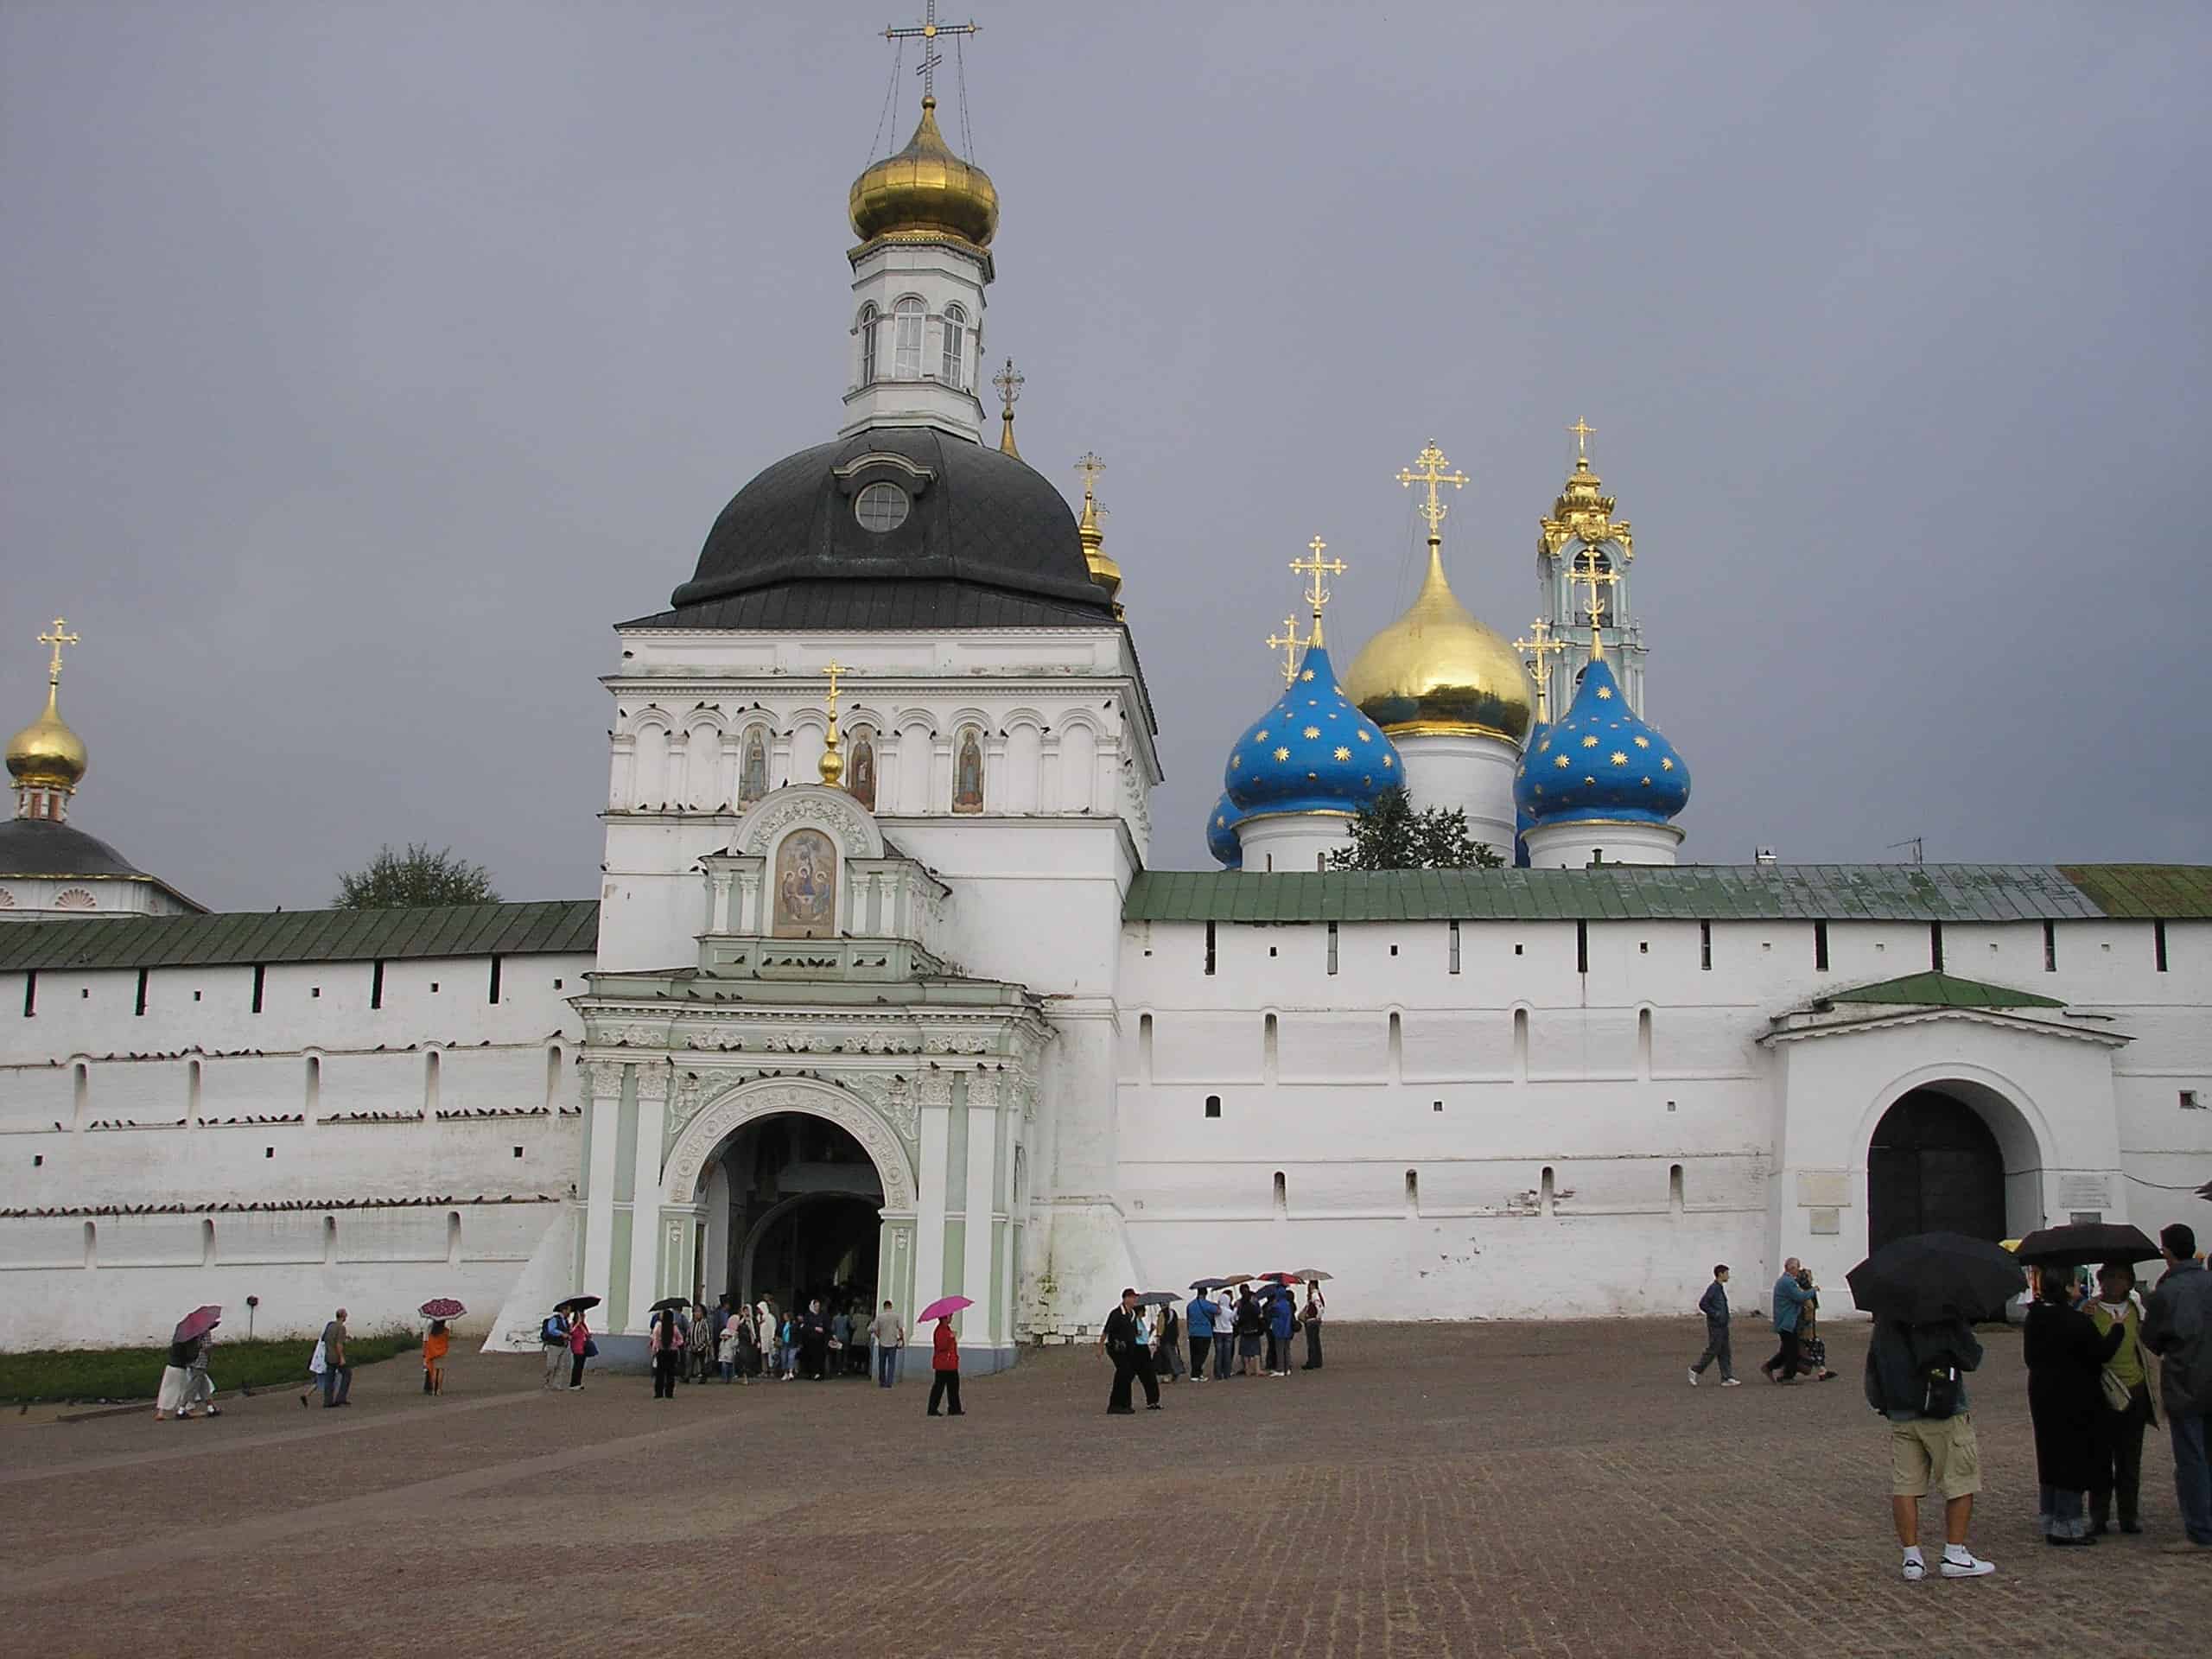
column 1827, row 1220
column 2084, row 1192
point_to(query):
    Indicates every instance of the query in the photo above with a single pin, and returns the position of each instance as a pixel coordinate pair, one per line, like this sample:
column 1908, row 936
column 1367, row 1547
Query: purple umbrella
column 943, row 1307
column 197, row 1323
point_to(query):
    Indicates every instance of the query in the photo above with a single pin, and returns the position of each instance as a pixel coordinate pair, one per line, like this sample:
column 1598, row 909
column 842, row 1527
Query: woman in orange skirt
column 434, row 1344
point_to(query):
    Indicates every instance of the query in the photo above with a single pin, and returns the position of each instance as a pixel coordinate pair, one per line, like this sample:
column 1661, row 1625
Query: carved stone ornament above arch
column 730, row 1112
column 815, row 806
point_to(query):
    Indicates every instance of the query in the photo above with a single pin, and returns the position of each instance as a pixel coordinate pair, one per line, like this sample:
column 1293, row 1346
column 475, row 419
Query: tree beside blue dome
column 1313, row 752
column 1600, row 762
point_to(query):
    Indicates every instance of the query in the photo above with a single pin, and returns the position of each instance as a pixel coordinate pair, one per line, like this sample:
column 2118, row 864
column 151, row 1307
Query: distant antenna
column 1912, row 841
column 1765, row 855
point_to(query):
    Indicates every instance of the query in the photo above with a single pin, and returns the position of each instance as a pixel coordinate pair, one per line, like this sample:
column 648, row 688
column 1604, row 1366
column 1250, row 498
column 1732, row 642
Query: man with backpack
column 553, row 1335
column 1916, row 1378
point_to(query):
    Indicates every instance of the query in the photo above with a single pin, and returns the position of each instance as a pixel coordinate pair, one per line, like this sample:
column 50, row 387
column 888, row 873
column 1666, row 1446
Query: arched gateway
column 792, row 1189
column 1953, row 1155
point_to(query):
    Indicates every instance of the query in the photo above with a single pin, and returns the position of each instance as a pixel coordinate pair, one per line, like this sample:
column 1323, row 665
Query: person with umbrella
column 1316, row 1304
column 186, row 1374
column 1123, row 1342
column 1923, row 1291
column 1282, row 1319
column 666, row 1343
column 2117, row 1442
column 944, row 1369
column 2064, row 1354
column 581, row 1346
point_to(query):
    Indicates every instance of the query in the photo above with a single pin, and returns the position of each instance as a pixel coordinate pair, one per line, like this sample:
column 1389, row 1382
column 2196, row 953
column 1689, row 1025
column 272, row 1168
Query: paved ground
column 1497, row 1488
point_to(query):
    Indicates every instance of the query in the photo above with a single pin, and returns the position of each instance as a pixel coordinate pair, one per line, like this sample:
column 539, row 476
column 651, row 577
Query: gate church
column 881, row 992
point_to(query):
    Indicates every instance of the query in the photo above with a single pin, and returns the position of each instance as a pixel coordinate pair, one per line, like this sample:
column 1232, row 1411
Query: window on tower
column 865, row 328
column 907, row 318
column 955, row 345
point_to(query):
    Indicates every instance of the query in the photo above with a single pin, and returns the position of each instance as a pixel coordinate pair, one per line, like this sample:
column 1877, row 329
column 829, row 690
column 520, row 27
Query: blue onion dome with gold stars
column 1601, row 762
column 1313, row 752
column 1221, row 833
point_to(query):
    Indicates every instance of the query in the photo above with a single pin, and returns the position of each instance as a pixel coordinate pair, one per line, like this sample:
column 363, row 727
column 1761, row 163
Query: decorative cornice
column 1924, row 1016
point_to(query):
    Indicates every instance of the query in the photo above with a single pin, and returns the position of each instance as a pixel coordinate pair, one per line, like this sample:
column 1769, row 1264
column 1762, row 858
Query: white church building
column 881, row 995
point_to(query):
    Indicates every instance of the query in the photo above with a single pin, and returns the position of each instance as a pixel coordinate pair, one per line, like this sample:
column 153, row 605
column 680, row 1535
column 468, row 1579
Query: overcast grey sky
column 363, row 364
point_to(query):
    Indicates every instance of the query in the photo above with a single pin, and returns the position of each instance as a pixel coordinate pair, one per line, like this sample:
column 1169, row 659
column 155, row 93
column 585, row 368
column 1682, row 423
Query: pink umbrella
column 943, row 1307
column 197, row 1323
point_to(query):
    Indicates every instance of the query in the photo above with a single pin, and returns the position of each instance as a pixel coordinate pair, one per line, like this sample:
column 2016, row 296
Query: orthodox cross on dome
column 1433, row 463
column 1315, row 565
column 57, row 638
column 1583, row 432
column 1008, row 380
column 833, row 764
column 928, row 32
column 1541, row 644
column 1089, row 466
column 1593, row 571
column 1290, row 643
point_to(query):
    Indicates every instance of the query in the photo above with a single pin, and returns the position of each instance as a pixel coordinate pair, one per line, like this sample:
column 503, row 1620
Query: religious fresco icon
column 753, row 776
column 968, row 773
column 860, row 775
column 806, row 886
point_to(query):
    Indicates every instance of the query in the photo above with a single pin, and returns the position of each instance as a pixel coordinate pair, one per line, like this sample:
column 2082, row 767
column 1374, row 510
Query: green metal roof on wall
column 244, row 938
column 1747, row 893
column 1942, row 991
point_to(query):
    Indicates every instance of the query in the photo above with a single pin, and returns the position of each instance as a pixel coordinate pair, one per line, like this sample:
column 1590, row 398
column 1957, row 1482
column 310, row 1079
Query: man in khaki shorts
column 1915, row 1377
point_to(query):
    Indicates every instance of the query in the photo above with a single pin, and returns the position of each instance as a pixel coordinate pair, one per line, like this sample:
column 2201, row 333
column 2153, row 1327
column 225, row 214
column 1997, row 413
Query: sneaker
column 1972, row 1567
column 1692, row 1379
column 1732, row 1382
column 1914, row 1572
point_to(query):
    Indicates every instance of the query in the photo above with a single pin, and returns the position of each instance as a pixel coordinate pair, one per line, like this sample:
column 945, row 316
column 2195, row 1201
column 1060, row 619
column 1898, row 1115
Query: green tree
column 1389, row 834
column 417, row 876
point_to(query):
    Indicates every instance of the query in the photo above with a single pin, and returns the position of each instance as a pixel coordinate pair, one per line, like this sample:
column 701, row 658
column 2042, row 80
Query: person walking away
column 176, row 1376
column 580, row 1348
column 666, row 1345
column 1122, row 1340
column 2064, row 1355
column 2178, row 1327
column 337, row 1375
column 944, row 1370
column 199, row 1389
column 553, row 1336
column 726, row 1352
column 1224, row 1336
column 1915, row 1378
column 2117, row 1441
column 1167, row 1349
column 1316, row 1304
column 435, row 1343
column 889, row 1336
column 1283, row 1324
column 1200, row 1323
column 315, row 1374
column 1714, row 1305
column 1789, row 1299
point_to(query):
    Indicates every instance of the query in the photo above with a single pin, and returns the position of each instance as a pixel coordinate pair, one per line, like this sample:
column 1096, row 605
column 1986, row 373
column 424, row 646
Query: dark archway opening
column 1933, row 1166
column 803, row 1220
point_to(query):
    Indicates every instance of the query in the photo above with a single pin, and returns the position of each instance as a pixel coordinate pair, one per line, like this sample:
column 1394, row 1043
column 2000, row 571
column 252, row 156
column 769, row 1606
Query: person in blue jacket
column 1281, row 1316
column 1714, row 1305
column 1789, row 1299
column 1198, row 1317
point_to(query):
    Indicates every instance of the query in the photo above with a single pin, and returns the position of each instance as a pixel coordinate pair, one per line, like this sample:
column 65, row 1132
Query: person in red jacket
column 944, row 1362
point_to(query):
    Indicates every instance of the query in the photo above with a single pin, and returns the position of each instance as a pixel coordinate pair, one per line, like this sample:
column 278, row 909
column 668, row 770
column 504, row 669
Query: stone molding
column 732, row 1110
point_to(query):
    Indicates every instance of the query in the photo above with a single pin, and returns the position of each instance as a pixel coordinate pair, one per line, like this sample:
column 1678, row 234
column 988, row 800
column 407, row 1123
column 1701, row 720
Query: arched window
column 956, row 341
column 1584, row 562
column 866, row 327
column 907, row 318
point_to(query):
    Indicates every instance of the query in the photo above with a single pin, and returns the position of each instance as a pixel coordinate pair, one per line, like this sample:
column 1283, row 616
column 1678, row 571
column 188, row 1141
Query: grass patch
column 93, row 1374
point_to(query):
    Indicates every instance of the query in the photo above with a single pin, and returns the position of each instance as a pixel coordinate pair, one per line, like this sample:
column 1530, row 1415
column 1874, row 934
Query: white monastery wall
column 422, row 1139
column 1519, row 1137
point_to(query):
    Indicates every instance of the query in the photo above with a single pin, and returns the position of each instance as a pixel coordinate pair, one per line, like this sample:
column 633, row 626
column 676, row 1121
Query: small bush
column 91, row 1374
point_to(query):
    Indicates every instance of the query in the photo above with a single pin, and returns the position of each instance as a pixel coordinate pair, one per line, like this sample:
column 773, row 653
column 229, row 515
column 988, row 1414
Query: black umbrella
column 579, row 1303
column 1209, row 1284
column 679, row 1303
column 2094, row 1240
column 1158, row 1299
column 1932, row 1276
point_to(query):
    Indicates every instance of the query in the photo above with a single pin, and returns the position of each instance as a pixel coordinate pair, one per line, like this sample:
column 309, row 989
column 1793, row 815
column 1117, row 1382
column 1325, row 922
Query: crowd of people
column 1245, row 1330
column 694, row 1343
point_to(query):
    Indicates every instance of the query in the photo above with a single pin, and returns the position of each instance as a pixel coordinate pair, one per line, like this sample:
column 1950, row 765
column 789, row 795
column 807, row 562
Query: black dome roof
column 986, row 541
column 40, row 847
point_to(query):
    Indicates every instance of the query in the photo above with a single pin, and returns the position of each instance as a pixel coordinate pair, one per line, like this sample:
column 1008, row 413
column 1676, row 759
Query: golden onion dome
column 1438, row 670
column 925, row 190
column 46, row 754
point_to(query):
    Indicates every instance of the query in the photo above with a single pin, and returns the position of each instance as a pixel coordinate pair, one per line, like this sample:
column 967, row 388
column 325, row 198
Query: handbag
column 591, row 1348
column 2118, row 1394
